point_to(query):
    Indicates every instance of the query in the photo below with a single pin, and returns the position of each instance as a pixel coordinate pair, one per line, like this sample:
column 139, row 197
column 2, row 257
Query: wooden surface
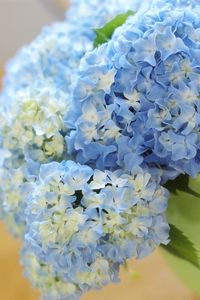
column 154, row 279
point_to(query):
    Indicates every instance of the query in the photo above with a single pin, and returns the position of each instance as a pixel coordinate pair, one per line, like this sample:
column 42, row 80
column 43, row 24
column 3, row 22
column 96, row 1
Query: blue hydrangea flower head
column 84, row 223
column 141, row 93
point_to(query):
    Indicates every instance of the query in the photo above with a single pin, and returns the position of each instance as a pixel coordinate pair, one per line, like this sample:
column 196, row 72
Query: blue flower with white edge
column 151, row 99
column 84, row 223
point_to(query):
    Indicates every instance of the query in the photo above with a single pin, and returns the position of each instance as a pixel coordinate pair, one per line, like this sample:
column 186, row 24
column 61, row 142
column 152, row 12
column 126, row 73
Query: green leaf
column 105, row 33
column 182, row 247
column 184, row 212
column 181, row 184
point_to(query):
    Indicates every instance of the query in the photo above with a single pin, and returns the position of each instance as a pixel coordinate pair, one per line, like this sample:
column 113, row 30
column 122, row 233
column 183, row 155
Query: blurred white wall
column 21, row 21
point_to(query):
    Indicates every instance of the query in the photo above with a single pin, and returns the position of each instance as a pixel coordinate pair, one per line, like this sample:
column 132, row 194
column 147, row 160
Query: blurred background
column 21, row 21
column 151, row 278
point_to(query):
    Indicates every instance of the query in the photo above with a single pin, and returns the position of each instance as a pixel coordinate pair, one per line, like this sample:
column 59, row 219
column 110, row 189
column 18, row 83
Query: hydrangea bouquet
column 100, row 127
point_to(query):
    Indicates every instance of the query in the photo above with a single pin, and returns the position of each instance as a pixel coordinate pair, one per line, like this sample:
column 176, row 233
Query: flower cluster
column 84, row 223
column 139, row 96
column 36, row 97
column 32, row 134
column 88, row 137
